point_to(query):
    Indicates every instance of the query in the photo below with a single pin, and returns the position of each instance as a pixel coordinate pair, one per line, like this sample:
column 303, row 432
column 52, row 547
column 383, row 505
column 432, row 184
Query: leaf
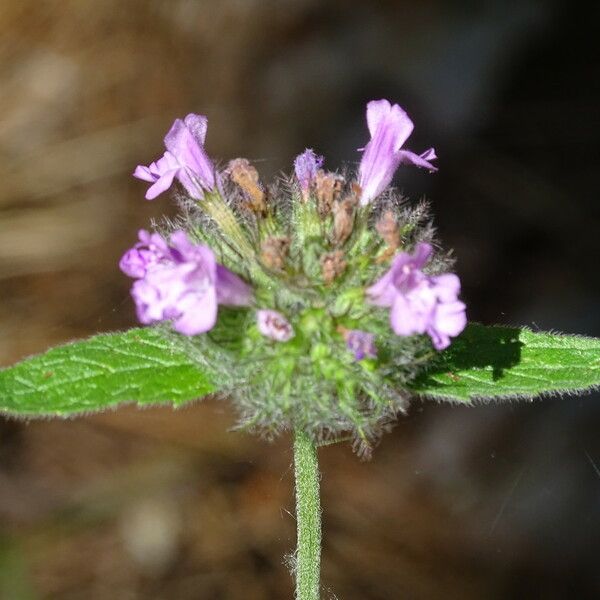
column 493, row 363
column 139, row 365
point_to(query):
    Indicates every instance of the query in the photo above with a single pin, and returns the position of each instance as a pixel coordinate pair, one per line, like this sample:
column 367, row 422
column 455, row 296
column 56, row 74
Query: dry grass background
column 162, row 504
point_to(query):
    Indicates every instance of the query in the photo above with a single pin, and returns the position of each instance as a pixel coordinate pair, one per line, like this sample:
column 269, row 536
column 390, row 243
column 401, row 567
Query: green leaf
column 140, row 365
column 492, row 363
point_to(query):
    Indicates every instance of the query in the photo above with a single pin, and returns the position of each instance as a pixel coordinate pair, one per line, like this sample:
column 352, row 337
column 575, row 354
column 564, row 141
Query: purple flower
column 420, row 303
column 361, row 343
column 389, row 127
column 306, row 166
column 180, row 281
column 185, row 159
column 274, row 325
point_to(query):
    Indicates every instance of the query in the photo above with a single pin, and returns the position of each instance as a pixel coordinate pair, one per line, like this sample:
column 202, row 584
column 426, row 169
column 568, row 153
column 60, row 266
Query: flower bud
column 246, row 177
column 388, row 229
column 360, row 343
column 328, row 187
column 332, row 265
column 343, row 218
column 274, row 325
column 273, row 252
column 306, row 166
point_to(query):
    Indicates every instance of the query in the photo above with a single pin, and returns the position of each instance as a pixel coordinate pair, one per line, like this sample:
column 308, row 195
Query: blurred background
column 485, row 502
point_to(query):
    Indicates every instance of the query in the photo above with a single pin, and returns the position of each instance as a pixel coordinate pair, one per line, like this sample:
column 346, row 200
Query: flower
column 420, row 303
column 389, row 127
column 180, row 281
column 246, row 177
column 274, row 325
column 306, row 166
column 185, row 159
column 361, row 343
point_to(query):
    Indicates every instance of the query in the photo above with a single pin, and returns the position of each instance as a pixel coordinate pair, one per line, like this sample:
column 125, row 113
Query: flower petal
column 142, row 172
column 421, row 254
column 450, row 318
column 391, row 116
column 199, row 313
column 163, row 183
column 382, row 292
column 184, row 145
column 410, row 158
column 440, row 341
column 447, row 286
column 132, row 263
column 197, row 124
column 401, row 317
column 389, row 127
column 231, row 289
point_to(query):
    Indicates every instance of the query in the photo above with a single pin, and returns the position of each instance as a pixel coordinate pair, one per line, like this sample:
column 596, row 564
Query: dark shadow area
column 479, row 347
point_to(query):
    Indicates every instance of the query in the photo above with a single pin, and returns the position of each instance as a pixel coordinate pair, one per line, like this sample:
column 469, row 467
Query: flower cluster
column 318, row 297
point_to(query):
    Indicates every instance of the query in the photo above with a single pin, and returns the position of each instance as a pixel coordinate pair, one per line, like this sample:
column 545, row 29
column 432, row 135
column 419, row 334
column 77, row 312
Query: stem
column 308, row 518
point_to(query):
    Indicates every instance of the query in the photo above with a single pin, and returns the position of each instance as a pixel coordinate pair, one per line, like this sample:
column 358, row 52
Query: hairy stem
column 308, row 518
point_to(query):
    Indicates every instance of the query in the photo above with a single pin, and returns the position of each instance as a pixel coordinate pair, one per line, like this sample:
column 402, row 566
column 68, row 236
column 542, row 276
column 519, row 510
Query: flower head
column 180, row 281
column 185, row 159
column 389, row 127
column 420, row 303
column 341, row 352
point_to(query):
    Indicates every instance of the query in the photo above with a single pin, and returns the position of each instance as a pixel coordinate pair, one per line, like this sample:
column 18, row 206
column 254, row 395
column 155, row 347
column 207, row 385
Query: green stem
column 308, row 518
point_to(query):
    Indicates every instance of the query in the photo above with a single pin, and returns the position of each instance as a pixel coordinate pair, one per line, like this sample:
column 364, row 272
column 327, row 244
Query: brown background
column 485, row 502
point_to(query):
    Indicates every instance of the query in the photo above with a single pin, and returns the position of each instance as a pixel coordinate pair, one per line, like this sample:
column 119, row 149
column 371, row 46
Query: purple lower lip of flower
column 274, row 325
column 419, row 160
column 361, row 343
column 181, row 293
column 160, row 173
column 389, row 127
column 448, row 321
column 181, row 282
column 185, row 159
